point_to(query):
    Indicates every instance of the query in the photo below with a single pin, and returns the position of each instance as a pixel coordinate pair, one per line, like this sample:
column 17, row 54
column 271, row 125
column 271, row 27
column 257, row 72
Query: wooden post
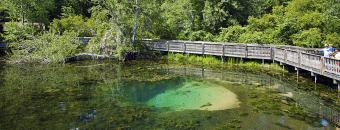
column 202, row 48
column 272, row 54
column 202, row 72
column 184, row 47
column 168, row 45
column 246, row 55
column 338, row 83
column 297, row 73
column 299, row 58
column 222, row 53
column 285, row 55
column 223, row 49
column 315, row 78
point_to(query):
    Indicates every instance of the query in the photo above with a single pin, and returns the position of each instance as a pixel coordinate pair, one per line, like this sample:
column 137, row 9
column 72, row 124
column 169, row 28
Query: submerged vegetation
column 95, row 95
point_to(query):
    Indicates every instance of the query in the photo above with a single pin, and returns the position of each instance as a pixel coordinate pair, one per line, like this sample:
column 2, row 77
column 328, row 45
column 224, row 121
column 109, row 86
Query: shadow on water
column 103, row 95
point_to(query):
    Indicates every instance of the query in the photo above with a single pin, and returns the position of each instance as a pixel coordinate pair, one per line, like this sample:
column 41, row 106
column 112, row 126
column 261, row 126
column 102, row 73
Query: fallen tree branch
column 87, row 56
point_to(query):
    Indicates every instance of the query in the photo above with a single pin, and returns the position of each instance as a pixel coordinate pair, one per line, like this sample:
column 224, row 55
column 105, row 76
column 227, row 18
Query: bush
column 17, row 33
column 85, row 28
column 48, row 48
column 251, row 37
column 193, row 59
column 333, row 38
column 308, row 38
column 231, row 34
column 201, row 36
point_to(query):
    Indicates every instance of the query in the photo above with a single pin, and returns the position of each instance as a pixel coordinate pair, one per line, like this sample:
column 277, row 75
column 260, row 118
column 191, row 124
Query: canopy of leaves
column 114, row 24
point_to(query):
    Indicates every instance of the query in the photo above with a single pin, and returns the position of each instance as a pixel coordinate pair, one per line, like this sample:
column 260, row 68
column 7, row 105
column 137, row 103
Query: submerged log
column 87, row 56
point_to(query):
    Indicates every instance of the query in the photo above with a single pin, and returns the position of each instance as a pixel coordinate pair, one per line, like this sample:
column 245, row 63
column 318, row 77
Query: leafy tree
column 231, row 34
column 179, row 16
column 200, row 36
column 213, row 15
column 85, row 28
column 30, row 10
column 308, row 38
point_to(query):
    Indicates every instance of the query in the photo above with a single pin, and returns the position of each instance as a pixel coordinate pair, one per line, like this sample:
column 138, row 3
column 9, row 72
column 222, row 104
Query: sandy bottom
column 193, row 95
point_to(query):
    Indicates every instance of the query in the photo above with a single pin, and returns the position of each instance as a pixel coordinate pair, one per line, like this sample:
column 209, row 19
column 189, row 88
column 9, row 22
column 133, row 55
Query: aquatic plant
column 228, row 63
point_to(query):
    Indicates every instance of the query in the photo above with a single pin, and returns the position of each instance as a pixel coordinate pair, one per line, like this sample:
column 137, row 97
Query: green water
column 193, row 95
column 104, row 95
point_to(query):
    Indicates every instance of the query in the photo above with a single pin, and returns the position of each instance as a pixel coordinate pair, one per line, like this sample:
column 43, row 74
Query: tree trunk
column 23, row 15
column 135, row 25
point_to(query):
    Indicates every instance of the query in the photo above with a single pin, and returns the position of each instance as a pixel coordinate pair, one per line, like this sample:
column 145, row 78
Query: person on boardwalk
column 327, row 50
column 337, row 54
column 324, row 123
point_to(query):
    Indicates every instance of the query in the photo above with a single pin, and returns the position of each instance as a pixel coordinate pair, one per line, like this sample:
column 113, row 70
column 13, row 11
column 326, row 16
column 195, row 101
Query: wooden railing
column 302, row 58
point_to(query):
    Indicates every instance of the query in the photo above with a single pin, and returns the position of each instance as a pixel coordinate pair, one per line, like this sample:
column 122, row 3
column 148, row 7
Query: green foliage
column 200, row 36
column 179, row 16
column 251, row 37
column 230, row 63
column 213, row 15
column 308, row 38
column 193, row 59
column 306, row 23
column 115, row 24
column 333, row 39
column 17, row 33
column 47, row 48
column 231, row 34
column 29, row 10
column 85, row 28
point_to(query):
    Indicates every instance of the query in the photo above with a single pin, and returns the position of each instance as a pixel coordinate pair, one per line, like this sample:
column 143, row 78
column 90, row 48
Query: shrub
column 251, row 37
column 17, row 33
column 308, row 38
column 201, row 36
column 85, row 28
column 231, row 34
column 333, row 38
column 48, row 48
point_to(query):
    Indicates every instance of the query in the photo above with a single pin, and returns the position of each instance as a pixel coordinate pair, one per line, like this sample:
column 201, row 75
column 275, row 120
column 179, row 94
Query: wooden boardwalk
column 301, row 58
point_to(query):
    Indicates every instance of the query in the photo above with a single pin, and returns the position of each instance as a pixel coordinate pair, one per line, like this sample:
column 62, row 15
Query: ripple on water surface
column 195, row 95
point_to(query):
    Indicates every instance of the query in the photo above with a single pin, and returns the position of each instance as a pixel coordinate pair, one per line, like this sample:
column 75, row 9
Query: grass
column 228, row 63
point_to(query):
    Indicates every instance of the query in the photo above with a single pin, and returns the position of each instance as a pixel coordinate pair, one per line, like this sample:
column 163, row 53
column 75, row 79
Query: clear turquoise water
column 193, row 95
column 102, row 95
